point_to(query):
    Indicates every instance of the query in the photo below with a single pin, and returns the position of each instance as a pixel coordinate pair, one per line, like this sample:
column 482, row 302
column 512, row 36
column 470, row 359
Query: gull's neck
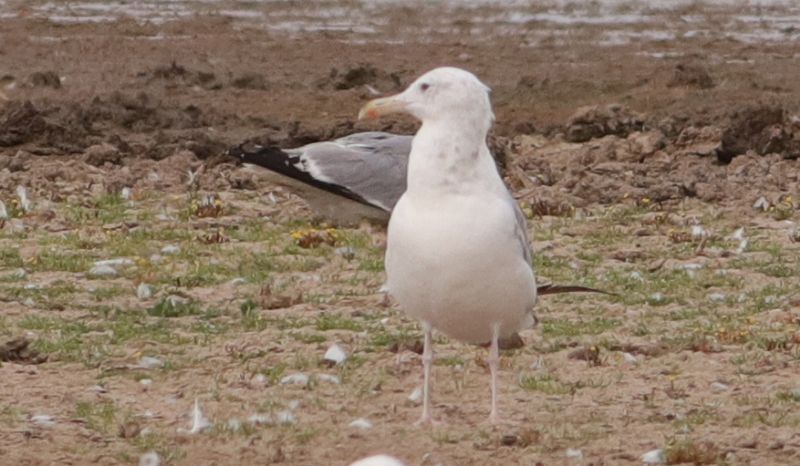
column 451, row 156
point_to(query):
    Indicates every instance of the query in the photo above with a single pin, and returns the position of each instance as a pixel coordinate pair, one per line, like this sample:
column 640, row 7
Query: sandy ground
column 637, row 138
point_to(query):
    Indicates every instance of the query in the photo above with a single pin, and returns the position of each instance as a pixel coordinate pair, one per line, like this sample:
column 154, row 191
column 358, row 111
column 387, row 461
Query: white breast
column 454, row 263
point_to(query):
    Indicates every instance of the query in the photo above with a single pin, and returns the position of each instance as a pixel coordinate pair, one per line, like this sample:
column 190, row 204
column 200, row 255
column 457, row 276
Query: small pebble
column 654, row 457
column 361, row 423
column 346, row 252
column 43, row 420
column 125, row 193
column 24, row 201
column 149, row 362
column 19, row 274
column 260, row 379
column 416, row 396
column 691, row 266
column 238, row 281
column 102, row 271
column 233, row 425
column 295, row 379
column 761, row 204
column 150, row 459
column 144, row 291
column 335, row 354
column 574, row 453
column 378, row 460
column 170, row 249
column 699, row 232
column 629, row 358
column 176, row 300
column 259, row 420
column 146, row 383
column 329, row 378
column 716, row 297
column 719, row 387
column 286, row 417
column 118, row 262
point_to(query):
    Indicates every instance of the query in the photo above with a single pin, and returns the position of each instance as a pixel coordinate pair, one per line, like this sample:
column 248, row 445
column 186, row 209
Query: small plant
column 547, row 384
column 172, row 306
column 687, row 451
column 310, row 238
column 208, row 206
column 98, row 416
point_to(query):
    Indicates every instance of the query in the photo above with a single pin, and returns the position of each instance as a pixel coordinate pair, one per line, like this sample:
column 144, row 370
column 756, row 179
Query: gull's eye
column 424, row 87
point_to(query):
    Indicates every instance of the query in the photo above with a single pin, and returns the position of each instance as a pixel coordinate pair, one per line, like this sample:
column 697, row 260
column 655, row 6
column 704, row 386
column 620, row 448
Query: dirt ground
column 653, row 147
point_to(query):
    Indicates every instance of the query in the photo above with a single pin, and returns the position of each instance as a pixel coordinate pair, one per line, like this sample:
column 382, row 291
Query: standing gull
column 458, row 257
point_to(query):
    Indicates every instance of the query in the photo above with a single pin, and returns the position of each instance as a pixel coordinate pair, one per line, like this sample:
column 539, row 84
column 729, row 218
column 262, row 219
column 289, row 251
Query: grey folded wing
column 521, row 233
column 371, row 165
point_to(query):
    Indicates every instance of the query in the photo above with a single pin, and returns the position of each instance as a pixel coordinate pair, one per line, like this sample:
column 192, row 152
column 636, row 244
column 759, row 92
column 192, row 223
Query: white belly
column 457, row 265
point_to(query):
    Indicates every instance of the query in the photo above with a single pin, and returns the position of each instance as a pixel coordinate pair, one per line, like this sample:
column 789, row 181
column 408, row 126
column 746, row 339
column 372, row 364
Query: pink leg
column 427, row 362
column 494, row 365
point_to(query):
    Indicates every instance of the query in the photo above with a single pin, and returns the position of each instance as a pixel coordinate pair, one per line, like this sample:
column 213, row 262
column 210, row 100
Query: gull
column 357, row 177
column 360, row 176
column 458, row 257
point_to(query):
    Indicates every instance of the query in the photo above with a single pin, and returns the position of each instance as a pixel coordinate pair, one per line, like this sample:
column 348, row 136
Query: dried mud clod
column 691, row 75
column 596, row 121
column 108, row 122
column 362, row 75
column 764, row 129
column 101, row 154
column 252, row 81
column 18, row 350
column 178, row 75
column 296, row 133
column 45, row 79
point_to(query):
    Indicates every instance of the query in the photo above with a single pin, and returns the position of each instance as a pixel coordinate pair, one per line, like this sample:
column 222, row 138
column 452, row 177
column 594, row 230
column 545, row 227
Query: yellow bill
column 383, row 106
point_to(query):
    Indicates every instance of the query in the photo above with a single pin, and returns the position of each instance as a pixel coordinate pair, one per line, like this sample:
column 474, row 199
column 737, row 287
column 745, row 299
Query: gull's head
column 441, row 94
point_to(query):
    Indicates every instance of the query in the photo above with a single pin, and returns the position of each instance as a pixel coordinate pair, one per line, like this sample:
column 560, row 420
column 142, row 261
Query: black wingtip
column 269, row 157
column 559, row 289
